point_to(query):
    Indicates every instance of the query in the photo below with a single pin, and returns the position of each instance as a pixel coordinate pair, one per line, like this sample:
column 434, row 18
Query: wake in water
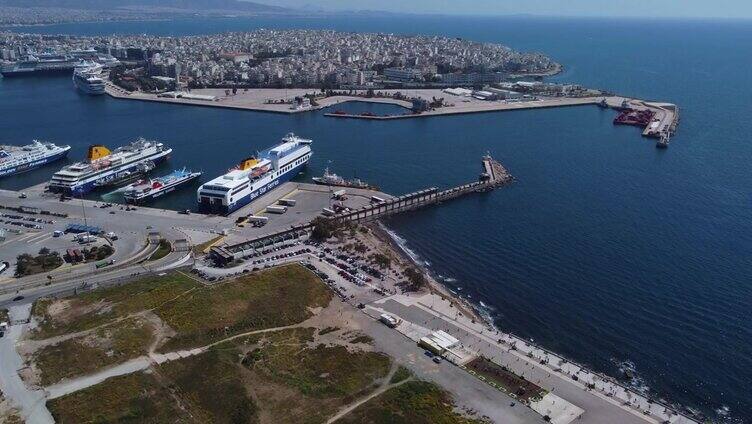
column 402, row 243
column 113, row 195
column 628, row 373
column 724, row 416
column 487, row 313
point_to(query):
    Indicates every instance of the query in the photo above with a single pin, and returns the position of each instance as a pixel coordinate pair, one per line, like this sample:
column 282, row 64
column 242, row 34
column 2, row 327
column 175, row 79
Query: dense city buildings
column 300, row 58
column 43, row 12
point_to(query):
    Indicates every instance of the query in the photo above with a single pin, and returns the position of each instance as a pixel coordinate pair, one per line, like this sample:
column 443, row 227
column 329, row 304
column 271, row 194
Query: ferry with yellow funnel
column 255, row 176
column 102, row 166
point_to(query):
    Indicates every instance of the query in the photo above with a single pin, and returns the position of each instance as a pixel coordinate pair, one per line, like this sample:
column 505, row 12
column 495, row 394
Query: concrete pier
column 663, row 125
column 494, row 175
column 665, row 115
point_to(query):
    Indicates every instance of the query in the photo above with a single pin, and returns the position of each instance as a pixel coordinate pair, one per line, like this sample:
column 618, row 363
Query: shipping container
column 276, row 209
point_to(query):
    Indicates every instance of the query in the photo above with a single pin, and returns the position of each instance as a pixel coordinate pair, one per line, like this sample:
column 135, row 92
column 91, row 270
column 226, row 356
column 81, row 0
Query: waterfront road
column 465, row 388
column 433, row 313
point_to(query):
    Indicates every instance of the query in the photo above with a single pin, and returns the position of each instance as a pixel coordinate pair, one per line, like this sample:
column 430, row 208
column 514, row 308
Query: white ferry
column 255, row 176
column 102, row 166
column 146, row 190
column 17, row 159
column 87, row 77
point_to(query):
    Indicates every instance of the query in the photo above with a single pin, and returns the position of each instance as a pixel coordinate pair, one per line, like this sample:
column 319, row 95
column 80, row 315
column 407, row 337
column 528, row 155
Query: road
column 598, row 407
column 103, row 278
column 31, row 403
column 465, row 388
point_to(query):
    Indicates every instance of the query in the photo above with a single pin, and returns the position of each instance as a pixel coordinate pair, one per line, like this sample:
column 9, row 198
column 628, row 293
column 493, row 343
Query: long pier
column 494, row 175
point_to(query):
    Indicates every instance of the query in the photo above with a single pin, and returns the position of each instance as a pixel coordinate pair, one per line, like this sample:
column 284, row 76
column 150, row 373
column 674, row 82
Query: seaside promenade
column 601, row 399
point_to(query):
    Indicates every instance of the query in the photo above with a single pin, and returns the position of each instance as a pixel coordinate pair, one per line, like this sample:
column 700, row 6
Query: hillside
column 186, row 5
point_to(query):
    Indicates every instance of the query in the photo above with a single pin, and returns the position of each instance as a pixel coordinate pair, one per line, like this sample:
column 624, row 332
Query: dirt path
column 383, row 387
column 249, row 333
column 160, row 331
column 30, row 402
column 138, row 364
column 32, row 345
column 83, row 382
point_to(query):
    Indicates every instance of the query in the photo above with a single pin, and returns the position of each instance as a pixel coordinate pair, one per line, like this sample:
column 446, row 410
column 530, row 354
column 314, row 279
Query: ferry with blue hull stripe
column 103, row 166
column 255, row 176
column 18, row 159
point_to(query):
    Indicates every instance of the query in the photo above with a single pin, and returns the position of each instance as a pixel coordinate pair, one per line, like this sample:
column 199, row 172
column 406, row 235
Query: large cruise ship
column 87, row 77
column 53, row 62
column 102, row 166
column 255, row 176
column 16, row 159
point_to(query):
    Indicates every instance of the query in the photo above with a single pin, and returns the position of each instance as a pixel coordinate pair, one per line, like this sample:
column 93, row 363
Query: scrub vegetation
column 415, row 402
column 102, row 347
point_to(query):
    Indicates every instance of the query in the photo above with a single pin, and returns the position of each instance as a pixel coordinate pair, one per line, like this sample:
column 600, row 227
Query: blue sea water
column 605, row 249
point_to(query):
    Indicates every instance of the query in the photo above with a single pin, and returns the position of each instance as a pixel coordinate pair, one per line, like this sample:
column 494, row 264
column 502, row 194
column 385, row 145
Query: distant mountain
column 187, row 5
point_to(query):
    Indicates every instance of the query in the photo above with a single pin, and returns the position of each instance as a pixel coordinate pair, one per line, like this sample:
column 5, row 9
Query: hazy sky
column 634, row 8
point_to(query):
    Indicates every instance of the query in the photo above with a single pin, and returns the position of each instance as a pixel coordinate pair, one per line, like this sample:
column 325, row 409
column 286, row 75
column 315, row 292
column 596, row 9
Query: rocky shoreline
column 463, row 305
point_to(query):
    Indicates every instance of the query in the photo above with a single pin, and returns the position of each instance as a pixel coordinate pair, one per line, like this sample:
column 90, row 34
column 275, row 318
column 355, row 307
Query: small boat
column 332, row 179
column 145, row 190
column 663, row 141
column 257, row 172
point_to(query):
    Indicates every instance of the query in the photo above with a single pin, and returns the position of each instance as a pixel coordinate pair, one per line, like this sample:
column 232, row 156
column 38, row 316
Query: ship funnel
column 248, row 163
column 97, row 151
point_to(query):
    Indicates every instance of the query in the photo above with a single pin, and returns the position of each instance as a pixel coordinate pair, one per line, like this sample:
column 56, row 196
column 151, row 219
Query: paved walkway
column 31, row 403
column 430, row 311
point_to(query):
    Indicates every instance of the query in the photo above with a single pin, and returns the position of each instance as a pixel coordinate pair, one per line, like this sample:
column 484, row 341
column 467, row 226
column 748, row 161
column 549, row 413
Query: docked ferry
column 125, row 177
column 17, row 159
column 87, row 77
column 255, row 176
column 54, row 62
column 102, row 165
column 146, row 190
column 332, row 179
